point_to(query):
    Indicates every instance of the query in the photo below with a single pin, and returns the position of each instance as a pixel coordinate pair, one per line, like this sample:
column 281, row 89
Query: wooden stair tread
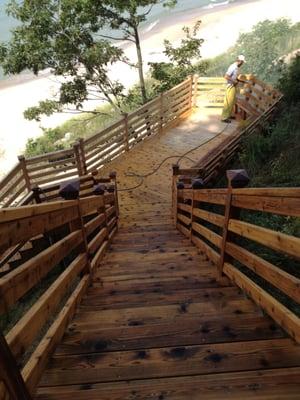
column 160, row 314
column 172, row 361
column 95, row 298
column 182, row 332
column 279, row 384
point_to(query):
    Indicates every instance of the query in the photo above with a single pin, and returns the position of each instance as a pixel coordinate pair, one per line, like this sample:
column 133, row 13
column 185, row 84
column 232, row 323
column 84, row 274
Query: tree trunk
column 140, row 65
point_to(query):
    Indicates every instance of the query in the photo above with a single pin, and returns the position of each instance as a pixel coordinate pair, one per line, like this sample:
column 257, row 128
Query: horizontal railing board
column 15, row 196
column 26, row 330
column 12, row 232
column 276, row 205
column 282, row 315
column 35, row 366
column 50, row 156
column 275, row 240
column 11, row 187
column 184, row 219
column 18, row 282
column 205, row 248
column 94, row 224
column 208, row 234
column 287, row 283
column 57, row 178
column 54, row 171
column 97, row 241
column 49, row 165
column 10, row 176
column 107, row 150
column 208, row 216
column 90, row 141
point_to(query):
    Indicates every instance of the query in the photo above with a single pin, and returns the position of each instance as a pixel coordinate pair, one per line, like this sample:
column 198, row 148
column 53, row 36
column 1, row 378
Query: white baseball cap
column 241, row 58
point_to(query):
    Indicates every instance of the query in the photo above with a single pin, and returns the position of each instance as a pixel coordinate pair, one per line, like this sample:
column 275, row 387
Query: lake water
column 158, row 13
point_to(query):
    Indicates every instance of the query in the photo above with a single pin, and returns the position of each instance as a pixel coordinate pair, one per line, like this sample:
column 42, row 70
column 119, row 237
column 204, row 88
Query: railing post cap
column 237, row 178
column 99, row 189
column 70, row 190
column 21, row 157
column 198, row 184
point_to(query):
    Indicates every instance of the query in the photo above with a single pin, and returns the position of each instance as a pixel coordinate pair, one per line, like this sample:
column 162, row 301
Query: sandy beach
column 220, row 29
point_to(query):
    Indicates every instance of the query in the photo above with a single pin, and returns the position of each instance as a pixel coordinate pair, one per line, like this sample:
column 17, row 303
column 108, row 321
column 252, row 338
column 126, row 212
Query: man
column 232, row 80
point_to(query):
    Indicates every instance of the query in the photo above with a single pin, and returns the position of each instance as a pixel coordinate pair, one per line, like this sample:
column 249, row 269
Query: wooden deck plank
column 182, row 332
column 172, row 361
column 159, row 314
column 279, row 384
column 96, row 300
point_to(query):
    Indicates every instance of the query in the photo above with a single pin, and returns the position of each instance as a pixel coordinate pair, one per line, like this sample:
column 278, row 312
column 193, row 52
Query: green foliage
column 182, row 60
column 60, row 35
column 289, row 82
column 66, row 36
column 263, row 48
column 45, row 143
column 272, row 158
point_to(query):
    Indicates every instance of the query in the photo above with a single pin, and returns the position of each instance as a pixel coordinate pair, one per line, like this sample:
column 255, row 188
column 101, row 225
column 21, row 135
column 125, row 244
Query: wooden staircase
column 157, row 324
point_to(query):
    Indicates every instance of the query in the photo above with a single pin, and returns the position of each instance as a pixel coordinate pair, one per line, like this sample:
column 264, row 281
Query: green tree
column 262, row 47
column 67, row 37
column 289, row 82
column 181, row 59
column 265, row 48
column 126, row 17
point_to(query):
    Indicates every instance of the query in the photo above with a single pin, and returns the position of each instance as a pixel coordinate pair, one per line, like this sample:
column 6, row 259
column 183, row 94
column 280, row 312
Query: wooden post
column 76, row 225
column 174, row 191
column 191, row 92
column 161, row 112
column 76, row 148
column 36, row 194
column 126, row 132
column 236, row 179
column 196, row 185
column 82, row 154
column 113, row 176
column 22, row 161
column 10, row 374
column 192, row 216
column 195, row 90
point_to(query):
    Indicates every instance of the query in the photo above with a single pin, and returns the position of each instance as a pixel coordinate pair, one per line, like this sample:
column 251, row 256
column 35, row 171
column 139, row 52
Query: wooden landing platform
column 203, row 128
column 157, row 325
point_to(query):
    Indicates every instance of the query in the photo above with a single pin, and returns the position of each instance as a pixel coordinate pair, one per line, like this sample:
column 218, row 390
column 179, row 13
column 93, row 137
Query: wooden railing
column 254, row 103
column 254, row 97
column 215, row 220
column 46, row 288
column 85, row 156
column 255, row 107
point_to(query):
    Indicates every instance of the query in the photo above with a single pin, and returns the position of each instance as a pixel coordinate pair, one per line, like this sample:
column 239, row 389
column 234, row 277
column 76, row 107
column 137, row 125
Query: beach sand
column 220, row 29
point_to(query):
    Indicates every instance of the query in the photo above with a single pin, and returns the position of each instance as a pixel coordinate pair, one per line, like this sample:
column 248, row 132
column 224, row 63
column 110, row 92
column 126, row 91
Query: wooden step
column 149, row 315
column 96, row 299
column 172, row 361
column 270, row 384
column 182, row 332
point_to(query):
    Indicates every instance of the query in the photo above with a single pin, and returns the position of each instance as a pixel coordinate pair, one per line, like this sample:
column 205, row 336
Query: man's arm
column 230, row 80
